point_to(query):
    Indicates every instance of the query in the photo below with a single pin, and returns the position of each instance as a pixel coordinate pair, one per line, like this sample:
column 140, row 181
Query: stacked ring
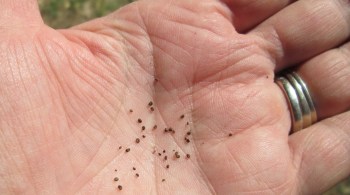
column 303, row 112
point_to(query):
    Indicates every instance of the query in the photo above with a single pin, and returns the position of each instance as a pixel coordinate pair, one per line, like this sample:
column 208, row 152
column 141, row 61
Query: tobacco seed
column 152, row 109
column 154, row 151
column 120, row 187
column 165, row 130
column 131, row 110
column 156, row 80
column 155, row 127
column 139, row 120
column 159, row 154
column 143, row 136
column 150, row 103
column 116, row 179
column 182, row 116
column 170, row 129
column 137, row 175
column 189, row 133
column 187, row 140
column 177, row 155
column 143, row 128
column 187, row 123
column 120, row 147
column 165, row 157
column 167, row 166
column 115, row 170
column 137, row 140
column 230, row 134
column 127, row 150
column 163, row 180
column 188, row 156
column 164, row 151
column 134, row 168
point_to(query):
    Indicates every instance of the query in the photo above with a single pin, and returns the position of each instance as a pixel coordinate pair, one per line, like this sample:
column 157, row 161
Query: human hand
column 66, row 97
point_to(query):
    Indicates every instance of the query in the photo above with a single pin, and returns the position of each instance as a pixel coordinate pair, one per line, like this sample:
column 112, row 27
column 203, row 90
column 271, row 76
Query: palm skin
column 67, row 95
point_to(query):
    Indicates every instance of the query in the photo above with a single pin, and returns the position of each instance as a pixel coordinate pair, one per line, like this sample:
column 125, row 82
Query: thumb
column 19, row 13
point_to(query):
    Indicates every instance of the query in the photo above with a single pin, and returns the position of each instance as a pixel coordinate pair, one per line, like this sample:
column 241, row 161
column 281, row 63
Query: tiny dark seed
column 150, row 103
column 188, row 156
column 165, row 130
column 156, row 80
column 120, row 147
column 154, row 151
column 120, row 187
column 131, row 110
column 152, row 109
column 139, row 120
column 189, row 133
column 127, row 150
column 164, row 151
column 137, row 140
column 230, row 134
column 170, row 129
column 116, row 179
column 137, row 175
column 167, row 166
column 159, row 154
column 143, row 128
column 143, row 136
column 187, row 140
column 165, row 157
column 134, row 168
column 177, row 155
column 187, row 123
column 155, row 127
column 182, row 116
column 163, row 180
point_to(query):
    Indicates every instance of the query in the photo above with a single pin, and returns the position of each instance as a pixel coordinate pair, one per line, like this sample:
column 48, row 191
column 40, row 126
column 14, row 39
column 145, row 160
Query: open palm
column 174, row 90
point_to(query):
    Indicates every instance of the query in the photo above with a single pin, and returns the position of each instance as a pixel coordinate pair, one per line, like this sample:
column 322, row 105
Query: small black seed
column 120, row 147
column 150, row 103
column 115, row 170
column 230, row 134
column 139, row 120
column 171, row 129
column 164, row 151
column 165, row 157
column 182, row 116
column 137, row 175
column 143, row 128
column 187, row 140
column 127, row 150
column 143, row 136
column 156, row 80
column 188, row 133
column 155, row 127
column 120, row 187
column 167, row 166
column 177, row 155
column 159, row 154
column 131, row 110
column 188, row 123
column 163, row 180
column 134, row 168
column 137, row 140
column 116, row 179
column 188, row 156
column 166, row 130
column 152, row 109
column 154, row 151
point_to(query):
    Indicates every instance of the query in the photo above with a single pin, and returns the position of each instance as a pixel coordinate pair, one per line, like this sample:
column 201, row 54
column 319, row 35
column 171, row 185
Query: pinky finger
column 321, row 153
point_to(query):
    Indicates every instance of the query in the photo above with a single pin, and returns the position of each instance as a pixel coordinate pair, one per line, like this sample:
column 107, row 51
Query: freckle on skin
column 182, row 116
column 131, row 111
column 163, row 180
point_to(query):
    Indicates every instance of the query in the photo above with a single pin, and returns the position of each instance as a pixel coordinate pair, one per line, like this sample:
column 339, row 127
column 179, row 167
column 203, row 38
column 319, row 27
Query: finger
column 328, row 78
column 247, row 13
column 19, row 13
column 322, row 154
column 305, row 29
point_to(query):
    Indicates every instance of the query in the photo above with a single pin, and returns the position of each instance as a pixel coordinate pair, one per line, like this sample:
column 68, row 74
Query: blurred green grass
column 66, row 13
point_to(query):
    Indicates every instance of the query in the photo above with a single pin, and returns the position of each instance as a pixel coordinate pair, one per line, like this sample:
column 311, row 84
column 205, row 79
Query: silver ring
column 301, row 106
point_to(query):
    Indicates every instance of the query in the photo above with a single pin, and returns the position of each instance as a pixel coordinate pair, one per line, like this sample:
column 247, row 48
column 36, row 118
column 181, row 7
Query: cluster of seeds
column 161, row 153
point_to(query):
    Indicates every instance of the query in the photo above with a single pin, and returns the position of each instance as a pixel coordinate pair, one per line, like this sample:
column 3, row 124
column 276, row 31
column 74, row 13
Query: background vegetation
column 66, row 13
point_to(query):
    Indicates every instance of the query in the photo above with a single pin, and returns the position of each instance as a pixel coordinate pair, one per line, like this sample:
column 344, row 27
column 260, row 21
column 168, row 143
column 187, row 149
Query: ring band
column 303, row 112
